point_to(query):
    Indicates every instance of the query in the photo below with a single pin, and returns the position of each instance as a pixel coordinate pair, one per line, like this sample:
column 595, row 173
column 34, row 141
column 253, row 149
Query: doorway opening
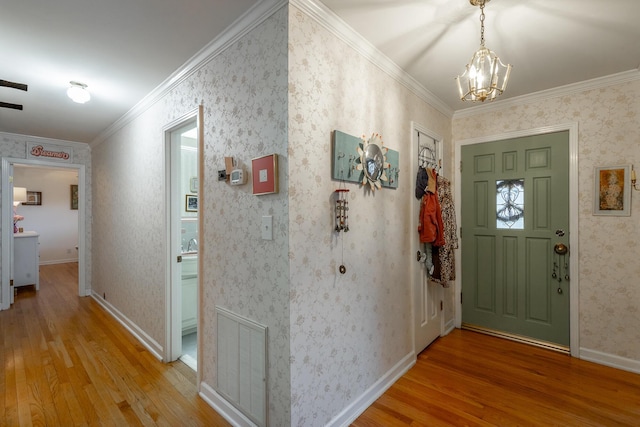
column 49, row 214
column 182, row 163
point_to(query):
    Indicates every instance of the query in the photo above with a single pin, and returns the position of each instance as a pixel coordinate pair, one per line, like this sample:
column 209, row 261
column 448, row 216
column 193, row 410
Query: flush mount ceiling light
column 78, row 92
column 485, row 76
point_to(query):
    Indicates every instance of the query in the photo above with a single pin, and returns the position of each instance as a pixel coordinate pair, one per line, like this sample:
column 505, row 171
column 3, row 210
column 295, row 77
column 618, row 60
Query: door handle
column 560, row 248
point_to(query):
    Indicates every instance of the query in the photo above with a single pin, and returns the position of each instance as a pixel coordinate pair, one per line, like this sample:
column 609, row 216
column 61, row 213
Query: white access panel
column 242, row 364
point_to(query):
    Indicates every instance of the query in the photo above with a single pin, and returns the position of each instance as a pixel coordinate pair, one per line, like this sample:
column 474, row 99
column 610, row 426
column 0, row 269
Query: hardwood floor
column 470, row 379
column 66, row 362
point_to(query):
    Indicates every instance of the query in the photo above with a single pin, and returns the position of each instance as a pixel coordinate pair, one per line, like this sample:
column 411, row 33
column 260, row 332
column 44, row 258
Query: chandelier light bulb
column 78, row 92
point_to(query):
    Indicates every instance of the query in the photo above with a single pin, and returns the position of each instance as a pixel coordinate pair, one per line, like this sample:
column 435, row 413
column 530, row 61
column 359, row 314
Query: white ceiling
column 123, row 49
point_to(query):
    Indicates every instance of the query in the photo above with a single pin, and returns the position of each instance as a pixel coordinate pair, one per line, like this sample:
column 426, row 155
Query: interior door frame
column 173, row 309
column 415, row 267
column 7, row 222
column 574, row 284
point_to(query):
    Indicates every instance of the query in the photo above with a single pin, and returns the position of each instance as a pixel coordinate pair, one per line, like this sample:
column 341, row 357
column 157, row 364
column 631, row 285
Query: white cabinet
column 26, row 259
column 189, row 268
column 189, row 305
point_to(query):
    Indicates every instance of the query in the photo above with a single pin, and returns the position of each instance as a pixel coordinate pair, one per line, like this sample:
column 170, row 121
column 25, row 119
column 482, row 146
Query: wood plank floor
column 470, row 379
column 66, row 362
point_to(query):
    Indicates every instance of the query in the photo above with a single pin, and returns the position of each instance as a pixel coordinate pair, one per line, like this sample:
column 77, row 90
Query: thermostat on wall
column 238, row 177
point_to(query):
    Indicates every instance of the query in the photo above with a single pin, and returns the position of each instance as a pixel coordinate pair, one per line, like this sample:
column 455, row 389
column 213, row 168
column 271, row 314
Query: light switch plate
column 267, row 227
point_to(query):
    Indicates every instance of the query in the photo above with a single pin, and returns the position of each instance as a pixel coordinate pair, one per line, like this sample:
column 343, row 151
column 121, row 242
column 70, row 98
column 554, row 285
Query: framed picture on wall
column 191, row 203
column 264, row 173
column 74, row 197
column 34, row 198
column 612, row 191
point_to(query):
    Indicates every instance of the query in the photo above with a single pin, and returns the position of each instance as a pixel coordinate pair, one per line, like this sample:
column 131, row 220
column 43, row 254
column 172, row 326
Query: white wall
column 54, row 220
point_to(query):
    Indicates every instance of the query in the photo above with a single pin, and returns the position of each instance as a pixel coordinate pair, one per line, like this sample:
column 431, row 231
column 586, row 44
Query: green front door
column 515, row 209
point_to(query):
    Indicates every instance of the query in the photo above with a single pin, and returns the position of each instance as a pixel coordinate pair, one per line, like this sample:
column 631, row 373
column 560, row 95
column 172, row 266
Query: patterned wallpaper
column 281, row 89
column 244, row 93
column 347, row 330
column 609, row 269
column 15, row 146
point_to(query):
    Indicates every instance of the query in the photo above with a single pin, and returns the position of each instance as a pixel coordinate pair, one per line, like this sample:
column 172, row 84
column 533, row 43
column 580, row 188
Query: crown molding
column 262, row 10
column 570, row 89
column 335, row 25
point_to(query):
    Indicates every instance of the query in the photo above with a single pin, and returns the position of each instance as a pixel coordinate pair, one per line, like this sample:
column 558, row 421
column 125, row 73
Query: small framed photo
column 74, row 197
column 193, row 184
column 264, row 173
column 612, row 191
column 34, row 198
column 191, row 203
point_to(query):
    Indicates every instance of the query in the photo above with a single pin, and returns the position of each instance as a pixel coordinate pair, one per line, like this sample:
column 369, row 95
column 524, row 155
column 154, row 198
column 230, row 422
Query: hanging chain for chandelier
column 483, row 79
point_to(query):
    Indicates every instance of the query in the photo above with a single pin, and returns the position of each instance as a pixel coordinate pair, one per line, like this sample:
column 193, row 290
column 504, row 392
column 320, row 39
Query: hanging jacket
column 444, row 259
column 422, row 179
column 431, row 228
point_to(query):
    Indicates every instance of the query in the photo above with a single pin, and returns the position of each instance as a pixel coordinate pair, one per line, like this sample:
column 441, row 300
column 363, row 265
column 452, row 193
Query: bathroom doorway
column 182, row 139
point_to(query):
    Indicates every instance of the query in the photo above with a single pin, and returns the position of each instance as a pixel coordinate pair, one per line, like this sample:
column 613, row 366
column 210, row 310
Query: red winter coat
column 431, row 228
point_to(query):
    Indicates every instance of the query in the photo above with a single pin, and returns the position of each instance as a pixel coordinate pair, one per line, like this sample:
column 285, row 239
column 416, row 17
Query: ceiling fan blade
column 13, row 85
column 12, row 106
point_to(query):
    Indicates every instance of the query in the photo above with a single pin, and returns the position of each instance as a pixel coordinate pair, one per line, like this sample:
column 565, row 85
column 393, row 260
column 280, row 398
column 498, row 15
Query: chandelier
column 485, row 76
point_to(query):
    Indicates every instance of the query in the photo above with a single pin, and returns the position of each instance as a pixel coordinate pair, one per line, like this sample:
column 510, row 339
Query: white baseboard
column 58, row 261
column 149, row 343
column 223, row 407
column 448, row 327
column 353, row 411
column 610, row 360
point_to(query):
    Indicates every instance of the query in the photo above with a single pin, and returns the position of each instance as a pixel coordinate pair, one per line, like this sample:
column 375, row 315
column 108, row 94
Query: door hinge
column 461, row 232
column 460, row 298
column 179, row 259
column 441, row 305
column 460, row 165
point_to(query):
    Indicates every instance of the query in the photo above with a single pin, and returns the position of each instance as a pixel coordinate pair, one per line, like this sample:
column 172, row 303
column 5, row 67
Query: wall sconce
column 633, row 179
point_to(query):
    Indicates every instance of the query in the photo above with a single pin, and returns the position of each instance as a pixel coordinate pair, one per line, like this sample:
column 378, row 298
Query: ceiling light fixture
column 486, row 76
column 78, row 92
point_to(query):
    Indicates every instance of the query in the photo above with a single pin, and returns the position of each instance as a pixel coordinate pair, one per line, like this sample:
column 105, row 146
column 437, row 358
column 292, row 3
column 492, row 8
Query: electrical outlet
column 222, row 175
